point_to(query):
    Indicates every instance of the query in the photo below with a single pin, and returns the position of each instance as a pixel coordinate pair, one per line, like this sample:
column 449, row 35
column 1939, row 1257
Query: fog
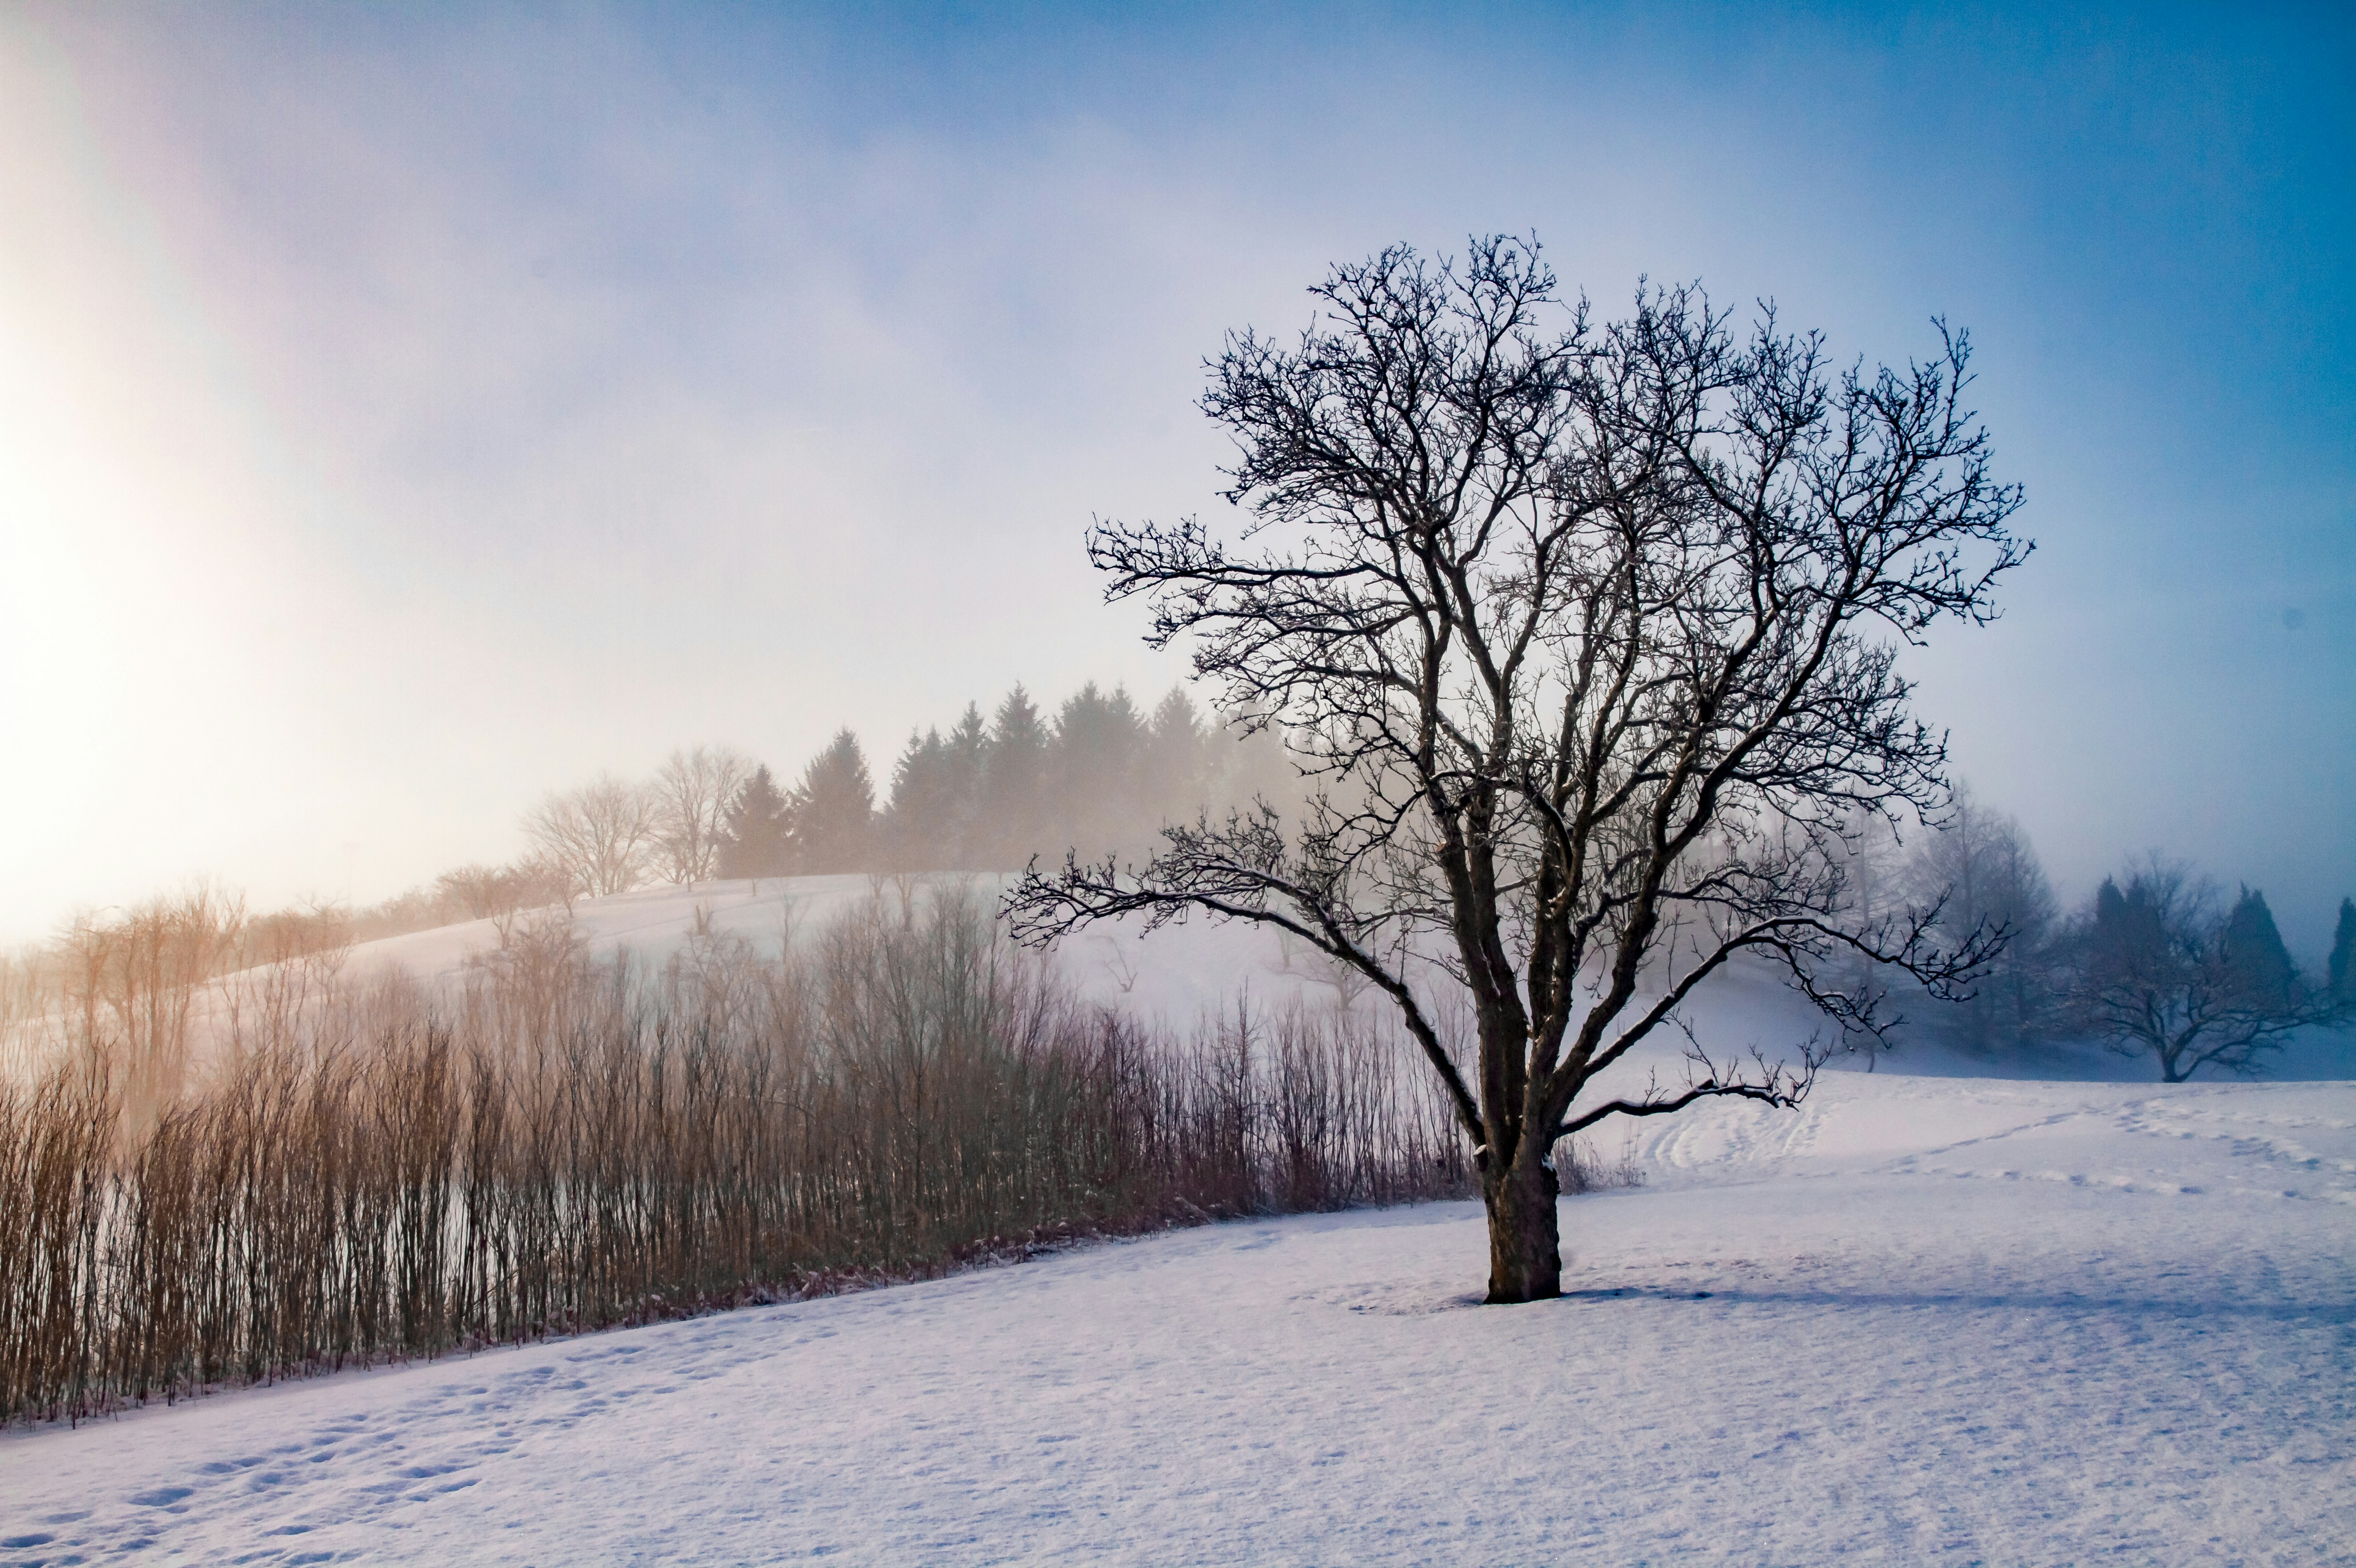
column 403, row 416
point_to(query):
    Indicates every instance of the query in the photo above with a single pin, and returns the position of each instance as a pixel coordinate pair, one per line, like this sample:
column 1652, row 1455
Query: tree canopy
column 1587, row 631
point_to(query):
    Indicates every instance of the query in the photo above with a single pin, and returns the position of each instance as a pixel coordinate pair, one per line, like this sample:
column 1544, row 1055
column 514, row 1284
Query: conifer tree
column 834, row 811
column 992, row 793
column 2255, row 951
column 918, row 823
column 2110, row 909
column 1013, row 812
column 1095, row 771
column 755, row 841
column 1175, row 760
column 965, row 762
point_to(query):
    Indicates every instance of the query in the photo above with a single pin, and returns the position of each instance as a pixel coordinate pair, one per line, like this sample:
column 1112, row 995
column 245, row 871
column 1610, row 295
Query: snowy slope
column 1174, row 975
column 1178, row 974
column 1923, row 1320
column 1934, row 1315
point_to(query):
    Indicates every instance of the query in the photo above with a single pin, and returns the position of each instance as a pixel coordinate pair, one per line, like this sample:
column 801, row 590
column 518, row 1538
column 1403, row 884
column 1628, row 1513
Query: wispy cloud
column 405, row 412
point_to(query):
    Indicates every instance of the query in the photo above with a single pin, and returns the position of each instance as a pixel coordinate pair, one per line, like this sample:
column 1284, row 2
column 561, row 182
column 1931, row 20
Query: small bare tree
column 693, row 793
column 474, row 891
column 1589, row 633
column 1981, row 862
column 597, row 836
column 2156, row 970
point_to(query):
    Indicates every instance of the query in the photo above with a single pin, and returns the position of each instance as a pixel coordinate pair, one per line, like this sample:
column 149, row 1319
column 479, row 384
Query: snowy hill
column 1922, row 1321
column 1178, row 974
column 1934, row 1315
column 1174, row 975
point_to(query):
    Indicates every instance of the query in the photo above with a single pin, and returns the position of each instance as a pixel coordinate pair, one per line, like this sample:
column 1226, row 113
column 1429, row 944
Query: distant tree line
column 2158, row 962
column 1100, row 777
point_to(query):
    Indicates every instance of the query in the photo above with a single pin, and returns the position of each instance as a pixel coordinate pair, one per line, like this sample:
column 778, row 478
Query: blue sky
column 404, row 411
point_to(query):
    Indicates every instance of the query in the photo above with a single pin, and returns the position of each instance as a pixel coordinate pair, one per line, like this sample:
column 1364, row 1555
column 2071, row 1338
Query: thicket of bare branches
column 1590, row 629
column 138, row 980
column 372, row 1172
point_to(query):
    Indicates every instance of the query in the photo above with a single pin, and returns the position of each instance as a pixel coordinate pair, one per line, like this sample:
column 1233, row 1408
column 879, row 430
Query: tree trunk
column 1524, row 1246
column 2168, row 1058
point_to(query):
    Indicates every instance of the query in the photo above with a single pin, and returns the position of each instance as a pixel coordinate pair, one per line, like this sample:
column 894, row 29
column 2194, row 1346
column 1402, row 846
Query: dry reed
column 371, row 1171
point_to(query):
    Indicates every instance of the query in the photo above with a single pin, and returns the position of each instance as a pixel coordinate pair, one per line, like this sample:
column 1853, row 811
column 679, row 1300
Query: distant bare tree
column 692, row 793
column 476, row 892
column 2158, row 970
column 1592, row 631
column 597, row 836
column 473, row 891
column 1980, row 864
column 30, row 984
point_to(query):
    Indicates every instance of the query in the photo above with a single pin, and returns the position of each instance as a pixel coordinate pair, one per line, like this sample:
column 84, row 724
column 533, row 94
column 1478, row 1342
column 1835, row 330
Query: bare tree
column 2158, row 970
column 597, row 836
column 474, row 891
column 692, row 793
column 1590, row 634
column 1981, row 863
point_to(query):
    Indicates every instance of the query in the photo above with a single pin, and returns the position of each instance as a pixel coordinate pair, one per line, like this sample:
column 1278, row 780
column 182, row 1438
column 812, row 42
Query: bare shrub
column 472, row 892
column 379, row 1171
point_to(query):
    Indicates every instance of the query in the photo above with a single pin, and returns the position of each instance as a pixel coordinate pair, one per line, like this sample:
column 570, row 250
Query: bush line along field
column 372, row 1171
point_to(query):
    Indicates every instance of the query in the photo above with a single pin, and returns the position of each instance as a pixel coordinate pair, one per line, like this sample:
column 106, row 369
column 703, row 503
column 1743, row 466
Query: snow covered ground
column 1935, row 1316
column 1923, row 1320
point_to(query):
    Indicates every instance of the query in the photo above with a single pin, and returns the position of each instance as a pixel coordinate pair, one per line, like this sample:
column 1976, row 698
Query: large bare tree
column 1587, row 632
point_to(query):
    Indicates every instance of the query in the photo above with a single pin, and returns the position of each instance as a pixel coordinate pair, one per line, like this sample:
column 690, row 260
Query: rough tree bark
column 1587, row 634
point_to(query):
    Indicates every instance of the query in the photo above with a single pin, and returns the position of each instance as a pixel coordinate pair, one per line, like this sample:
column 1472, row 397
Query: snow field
column 1923, row 1320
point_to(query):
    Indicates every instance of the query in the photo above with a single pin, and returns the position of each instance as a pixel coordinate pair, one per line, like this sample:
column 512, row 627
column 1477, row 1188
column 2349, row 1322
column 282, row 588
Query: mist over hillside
column 1098, row 784
column 407, row 418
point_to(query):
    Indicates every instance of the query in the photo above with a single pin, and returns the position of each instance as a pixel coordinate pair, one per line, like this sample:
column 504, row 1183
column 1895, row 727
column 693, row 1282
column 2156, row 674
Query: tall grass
column 372, row 1171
